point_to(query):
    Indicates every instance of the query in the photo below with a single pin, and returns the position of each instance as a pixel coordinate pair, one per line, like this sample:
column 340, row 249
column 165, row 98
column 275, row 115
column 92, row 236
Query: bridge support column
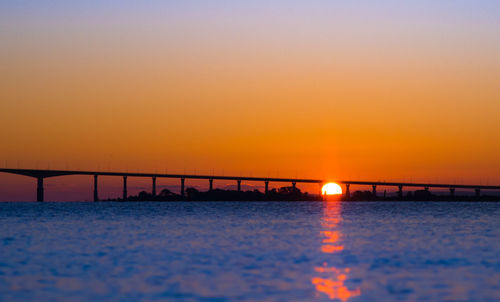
column 426, row 189
column 294, row 185
column 154, row 186
column 96, row 195
column 266, row 183
column 39, row 189
column 211, row 184
column 452, row 192
column 478, row 193
column 374, row 191
column 400, row 191
column 347, row 191
column 239, row 185
column 125, row 188
column 182, row 187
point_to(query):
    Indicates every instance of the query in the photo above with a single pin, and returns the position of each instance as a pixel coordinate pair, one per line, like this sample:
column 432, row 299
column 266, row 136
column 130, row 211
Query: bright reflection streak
column 331, row 280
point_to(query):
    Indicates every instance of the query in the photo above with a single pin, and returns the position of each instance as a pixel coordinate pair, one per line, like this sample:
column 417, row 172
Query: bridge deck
column 40, row 173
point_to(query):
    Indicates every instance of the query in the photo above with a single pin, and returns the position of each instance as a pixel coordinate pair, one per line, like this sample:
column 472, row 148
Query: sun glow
column 331, row 188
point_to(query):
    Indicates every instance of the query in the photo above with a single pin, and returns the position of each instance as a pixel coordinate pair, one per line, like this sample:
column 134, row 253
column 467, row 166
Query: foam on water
column 226, row 251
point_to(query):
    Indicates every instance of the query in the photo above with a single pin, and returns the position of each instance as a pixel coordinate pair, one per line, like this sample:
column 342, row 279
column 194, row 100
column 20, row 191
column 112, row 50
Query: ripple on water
column 225, row 251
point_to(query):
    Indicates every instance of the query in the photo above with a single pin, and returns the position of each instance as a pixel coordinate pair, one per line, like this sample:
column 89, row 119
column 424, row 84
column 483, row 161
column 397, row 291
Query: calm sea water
column 243, row 251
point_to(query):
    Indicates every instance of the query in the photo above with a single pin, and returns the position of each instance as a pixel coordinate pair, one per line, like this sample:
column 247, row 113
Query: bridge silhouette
column 41, row 174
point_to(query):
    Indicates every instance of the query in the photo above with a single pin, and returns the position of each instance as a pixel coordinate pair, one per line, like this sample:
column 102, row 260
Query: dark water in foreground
column 231, row 251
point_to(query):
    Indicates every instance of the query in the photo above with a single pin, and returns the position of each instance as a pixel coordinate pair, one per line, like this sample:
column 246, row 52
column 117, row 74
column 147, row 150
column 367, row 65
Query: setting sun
column 331, row 188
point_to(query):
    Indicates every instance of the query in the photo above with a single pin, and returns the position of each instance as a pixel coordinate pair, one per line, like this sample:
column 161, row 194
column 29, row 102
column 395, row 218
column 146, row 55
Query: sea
column 250, row 251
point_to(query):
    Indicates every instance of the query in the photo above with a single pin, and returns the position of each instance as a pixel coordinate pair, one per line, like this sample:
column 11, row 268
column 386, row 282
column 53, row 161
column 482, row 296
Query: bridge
column 40, row 175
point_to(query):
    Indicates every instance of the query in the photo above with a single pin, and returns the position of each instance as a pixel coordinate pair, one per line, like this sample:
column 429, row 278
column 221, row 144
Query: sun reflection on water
column 331, row 280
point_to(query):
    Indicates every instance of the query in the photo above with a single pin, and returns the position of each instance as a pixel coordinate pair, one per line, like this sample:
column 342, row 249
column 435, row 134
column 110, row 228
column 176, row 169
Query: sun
column 331, row 188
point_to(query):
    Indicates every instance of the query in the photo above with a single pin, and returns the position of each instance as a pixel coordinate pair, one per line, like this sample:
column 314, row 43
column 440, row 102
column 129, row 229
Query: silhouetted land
column 293, row 194
column 418, row 195
column 281, row 194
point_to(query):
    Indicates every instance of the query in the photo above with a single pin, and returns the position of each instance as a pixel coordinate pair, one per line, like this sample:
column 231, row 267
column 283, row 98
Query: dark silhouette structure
column 282, row 194
column 40, row 175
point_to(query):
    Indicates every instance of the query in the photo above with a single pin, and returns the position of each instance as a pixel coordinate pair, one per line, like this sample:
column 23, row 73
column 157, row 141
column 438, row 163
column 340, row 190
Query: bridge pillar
column 266, row 187
column 374, row 191
column 125, row 187
column 154, row 186
column 96, row 195
column 294, row 185
column 347, row 191
column 211, row 182
column 478, row 193
column 239, row 185
column 182, row 187
column 39, row 189
column 400, row 191
column 427, row 189
column 452, row 192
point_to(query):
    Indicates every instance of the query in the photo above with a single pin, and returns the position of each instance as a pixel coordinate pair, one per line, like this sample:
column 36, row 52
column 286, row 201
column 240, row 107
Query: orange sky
column 253, row 91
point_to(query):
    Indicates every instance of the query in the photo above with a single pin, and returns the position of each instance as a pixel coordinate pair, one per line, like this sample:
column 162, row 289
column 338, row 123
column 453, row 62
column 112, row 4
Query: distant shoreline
column 292, row 194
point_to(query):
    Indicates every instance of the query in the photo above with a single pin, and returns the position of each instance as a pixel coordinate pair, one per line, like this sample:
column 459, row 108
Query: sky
column 338, row 90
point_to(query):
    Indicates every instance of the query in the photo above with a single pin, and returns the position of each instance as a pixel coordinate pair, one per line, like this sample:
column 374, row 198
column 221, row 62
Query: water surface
column 247, row 251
